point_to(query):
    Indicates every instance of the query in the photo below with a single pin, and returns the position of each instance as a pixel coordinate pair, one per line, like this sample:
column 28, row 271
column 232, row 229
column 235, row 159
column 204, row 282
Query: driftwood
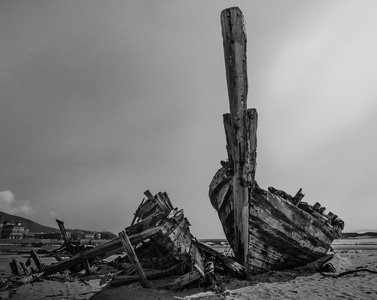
column 336, row 264
column 336, row 275
column 133, row 258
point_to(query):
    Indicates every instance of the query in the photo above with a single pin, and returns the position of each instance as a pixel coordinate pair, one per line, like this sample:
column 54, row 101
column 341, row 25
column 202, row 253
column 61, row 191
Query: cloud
column 10, row 205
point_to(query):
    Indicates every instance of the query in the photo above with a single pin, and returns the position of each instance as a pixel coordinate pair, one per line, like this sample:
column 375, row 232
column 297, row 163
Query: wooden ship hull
column 267, row 229
column 282, row 232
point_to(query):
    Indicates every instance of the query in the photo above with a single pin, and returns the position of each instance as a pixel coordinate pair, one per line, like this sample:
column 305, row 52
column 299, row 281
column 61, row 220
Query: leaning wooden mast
column 240, row 126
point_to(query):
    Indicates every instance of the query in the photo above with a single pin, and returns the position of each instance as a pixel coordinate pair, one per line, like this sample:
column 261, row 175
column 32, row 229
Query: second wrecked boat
column 267, row 229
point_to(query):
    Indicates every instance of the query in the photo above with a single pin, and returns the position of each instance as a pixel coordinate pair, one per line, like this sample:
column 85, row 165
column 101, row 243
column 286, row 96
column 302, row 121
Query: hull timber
column 267, row 229
column 281, row 234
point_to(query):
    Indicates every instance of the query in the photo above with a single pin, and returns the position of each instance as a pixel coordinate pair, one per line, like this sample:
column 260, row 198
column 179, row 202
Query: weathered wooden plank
column 100, row 250
column 64, row 235
column 137, row 212
column 127, row 279
column 227, row 120
column 30, row 278
column 282, row 242
column 149, row 195
column 184, row 280
column 147, row 209
column 223, row 195
column 298, row 197
column 252, row 125
column 221, row 178
column 175, row 236
column 149, row 222
column 167, row 200
column 161, row 203
column 234, row 42
column 317, row 206
column 228, row 263
column 16, row 267
column 37, row 261
column 133, row 258
column 331, row 216
column 26, row 271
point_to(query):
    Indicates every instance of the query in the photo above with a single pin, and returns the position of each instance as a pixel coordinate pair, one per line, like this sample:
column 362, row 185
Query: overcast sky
column 102, row 100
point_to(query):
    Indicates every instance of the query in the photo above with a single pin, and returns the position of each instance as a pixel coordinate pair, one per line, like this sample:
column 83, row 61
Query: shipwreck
column 157, row 244
column 267, row 229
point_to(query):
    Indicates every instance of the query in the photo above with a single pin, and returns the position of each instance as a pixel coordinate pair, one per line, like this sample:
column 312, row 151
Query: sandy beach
column 300, row 283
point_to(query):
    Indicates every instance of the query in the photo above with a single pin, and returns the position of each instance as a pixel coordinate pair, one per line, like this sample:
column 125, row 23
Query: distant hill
column 369, row 234
column 36, row 227
column 29, row 224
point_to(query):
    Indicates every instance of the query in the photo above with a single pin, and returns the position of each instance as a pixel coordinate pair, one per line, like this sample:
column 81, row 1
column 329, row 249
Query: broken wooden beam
column 16, row 267
column 227, row 121
column 298, row 197
column 30, row 278
column 137, row 213
column 26, row 271
column 184, row 281
column 234, row 42
column 226, row 262
column 157, row 274
column 64, row 235
column 133, row 258
column 100, row 250
column 37, row 261
column 162, row 204
column 146, row 223
column 165, row 196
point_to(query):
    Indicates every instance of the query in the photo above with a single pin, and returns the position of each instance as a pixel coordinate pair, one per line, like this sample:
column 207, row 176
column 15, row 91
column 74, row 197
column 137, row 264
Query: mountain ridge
column 34, row 226
column 27, row 223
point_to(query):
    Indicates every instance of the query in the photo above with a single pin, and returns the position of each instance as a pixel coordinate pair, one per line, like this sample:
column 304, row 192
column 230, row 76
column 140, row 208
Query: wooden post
column 16, row 267
column 252, row 125
column 87, row 267
column 298, row 197
column 40, row 265
column 234, row 42
column 133, row 258
column 64, row 235
column 229, row 136
column 25, row 269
